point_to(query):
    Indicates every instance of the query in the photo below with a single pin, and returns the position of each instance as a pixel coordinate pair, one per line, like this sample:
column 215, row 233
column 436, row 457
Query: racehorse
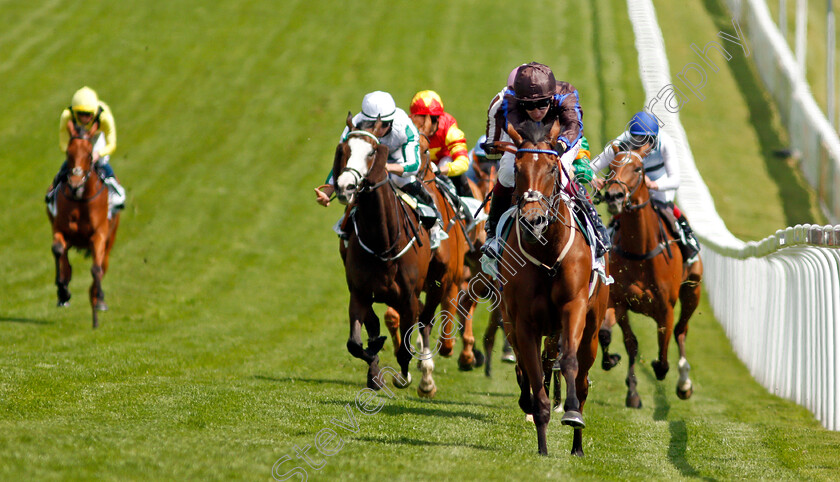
column 549, row 294
column 649, row 273
column 386, row 257
column 81, row 220
column 447, row 272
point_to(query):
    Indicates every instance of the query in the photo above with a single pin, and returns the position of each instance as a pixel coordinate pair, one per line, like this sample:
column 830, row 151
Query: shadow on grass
column 400, row 410
column 402, row 440
column 309, row 380
column 28, row 321
column 793, row 189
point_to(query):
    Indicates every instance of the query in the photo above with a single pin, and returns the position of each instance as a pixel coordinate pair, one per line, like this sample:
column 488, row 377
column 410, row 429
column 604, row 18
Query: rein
column 628, row 204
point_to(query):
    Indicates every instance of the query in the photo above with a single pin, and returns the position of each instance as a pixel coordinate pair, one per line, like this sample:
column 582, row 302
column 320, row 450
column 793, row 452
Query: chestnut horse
column 386, row 257
column 550, row 294
column 447, row 272
column 81, row 220
column 649, row 273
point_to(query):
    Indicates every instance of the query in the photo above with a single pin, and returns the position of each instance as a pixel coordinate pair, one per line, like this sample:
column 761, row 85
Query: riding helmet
column 644, row 124
column 426, row 102
column 85, row 100
column 534, row 81
column 379, row 104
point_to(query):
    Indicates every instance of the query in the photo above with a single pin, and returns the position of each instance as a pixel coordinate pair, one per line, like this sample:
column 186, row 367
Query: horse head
column 625, row 188
column 537, row 171
column 360, row 160
column 79, row 157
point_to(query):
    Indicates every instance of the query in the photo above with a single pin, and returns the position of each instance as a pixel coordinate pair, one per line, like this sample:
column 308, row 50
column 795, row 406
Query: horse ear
column 615, row 147
column 555, row 132
column 378, row 124
column 517, row 139
column 94, row 128
column 350, row 121
column 71, row 128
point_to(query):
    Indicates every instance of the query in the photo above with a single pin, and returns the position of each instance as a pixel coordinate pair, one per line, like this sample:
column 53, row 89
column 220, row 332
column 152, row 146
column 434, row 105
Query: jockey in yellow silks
column 86, row 110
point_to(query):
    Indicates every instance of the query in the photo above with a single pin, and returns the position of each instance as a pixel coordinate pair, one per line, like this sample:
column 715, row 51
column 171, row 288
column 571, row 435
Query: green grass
column 224, row 346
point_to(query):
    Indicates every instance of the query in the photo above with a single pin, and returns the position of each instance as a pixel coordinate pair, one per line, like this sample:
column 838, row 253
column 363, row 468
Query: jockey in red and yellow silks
column 447, row 143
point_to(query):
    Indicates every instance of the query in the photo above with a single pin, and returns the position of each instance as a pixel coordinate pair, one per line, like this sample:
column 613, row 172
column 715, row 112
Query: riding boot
column 61, row 176
column 433, row 224
column 116, row 193
column 689, row 246
column 602, row 243
column 499, row 203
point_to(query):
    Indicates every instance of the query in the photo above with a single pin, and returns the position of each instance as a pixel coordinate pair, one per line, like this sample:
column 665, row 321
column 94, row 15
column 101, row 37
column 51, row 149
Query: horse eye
column 638, row 169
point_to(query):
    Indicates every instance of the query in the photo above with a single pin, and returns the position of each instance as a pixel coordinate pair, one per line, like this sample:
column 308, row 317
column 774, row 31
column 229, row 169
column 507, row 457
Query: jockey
column 447, row 143
column 537, row 96
column 401, row 137
column 86, row 110
column 662, row 172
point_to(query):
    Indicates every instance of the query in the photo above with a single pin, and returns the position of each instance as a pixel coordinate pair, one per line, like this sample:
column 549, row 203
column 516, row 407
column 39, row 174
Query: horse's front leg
column 360, row 310
column 689, row 300
column 665, row 326
column 97, row 296
column 574, row 321
column 63, row 270
column 464, row 305
column 631, row 345
column 528, row 358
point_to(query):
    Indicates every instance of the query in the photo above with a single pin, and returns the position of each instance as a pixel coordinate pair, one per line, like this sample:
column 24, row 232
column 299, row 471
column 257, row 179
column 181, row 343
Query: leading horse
column 81, row 220
column 549, row 294
column 649, row 273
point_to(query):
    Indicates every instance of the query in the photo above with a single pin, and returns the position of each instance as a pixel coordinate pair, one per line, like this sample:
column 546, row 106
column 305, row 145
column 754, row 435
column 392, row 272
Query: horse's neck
column 639, row 230
column 377, row 217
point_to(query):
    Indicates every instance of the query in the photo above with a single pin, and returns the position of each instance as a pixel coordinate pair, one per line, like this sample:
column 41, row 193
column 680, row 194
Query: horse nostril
column 351, row 187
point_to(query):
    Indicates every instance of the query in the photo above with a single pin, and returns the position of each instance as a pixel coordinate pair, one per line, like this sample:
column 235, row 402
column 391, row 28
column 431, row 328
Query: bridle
column 360, row 180
column 628, row 191
column 532, row 195
column 78, row 192
column 365, row 185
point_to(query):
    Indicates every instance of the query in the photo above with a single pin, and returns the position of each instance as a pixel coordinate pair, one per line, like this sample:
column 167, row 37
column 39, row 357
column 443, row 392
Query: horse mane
column 535, row 132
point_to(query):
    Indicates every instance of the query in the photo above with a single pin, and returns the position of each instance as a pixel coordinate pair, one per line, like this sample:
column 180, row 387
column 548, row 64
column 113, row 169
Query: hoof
column 445, row 351
column 633, row 401
column 427, row 394
column 573, row 419
column 63, row 304
column 399, row 384
column 659, row 369
column 529, row 418
column 479, row 358
column 466, row 363
column 508, row 357
column 685, row 394
column 101, row 306
column 610, row 361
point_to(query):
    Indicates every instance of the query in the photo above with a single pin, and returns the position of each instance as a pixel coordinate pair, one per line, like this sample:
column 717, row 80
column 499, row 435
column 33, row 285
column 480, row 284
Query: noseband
column 629, row 192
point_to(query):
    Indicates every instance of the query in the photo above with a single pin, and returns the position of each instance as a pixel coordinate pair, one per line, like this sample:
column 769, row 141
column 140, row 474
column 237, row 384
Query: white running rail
column 777, row 299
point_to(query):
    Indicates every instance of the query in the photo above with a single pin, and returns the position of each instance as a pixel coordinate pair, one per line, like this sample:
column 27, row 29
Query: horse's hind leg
column 550, row 354
column 469, row 357
column 689, row 299
column 609, row 360
column 96, row 295
column 631, row 345
column 490, row 339
column 392, row 321
column 63, row 270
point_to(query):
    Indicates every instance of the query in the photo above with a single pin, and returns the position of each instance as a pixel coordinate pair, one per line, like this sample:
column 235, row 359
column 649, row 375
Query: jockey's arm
column 671, row 180
column 109, row 129
column 395, row 168
column 495, row 126
column 456, row 143
column 63, row 133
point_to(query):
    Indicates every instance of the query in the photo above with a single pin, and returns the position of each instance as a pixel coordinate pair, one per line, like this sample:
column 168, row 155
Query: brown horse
column 550, row 293
column 649, row 273
column 446, row 273
column 81, row 220
column 386, row 258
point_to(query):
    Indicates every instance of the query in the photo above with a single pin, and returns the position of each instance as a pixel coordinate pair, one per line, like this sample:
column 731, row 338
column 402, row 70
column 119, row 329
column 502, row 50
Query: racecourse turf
column 224, row 348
